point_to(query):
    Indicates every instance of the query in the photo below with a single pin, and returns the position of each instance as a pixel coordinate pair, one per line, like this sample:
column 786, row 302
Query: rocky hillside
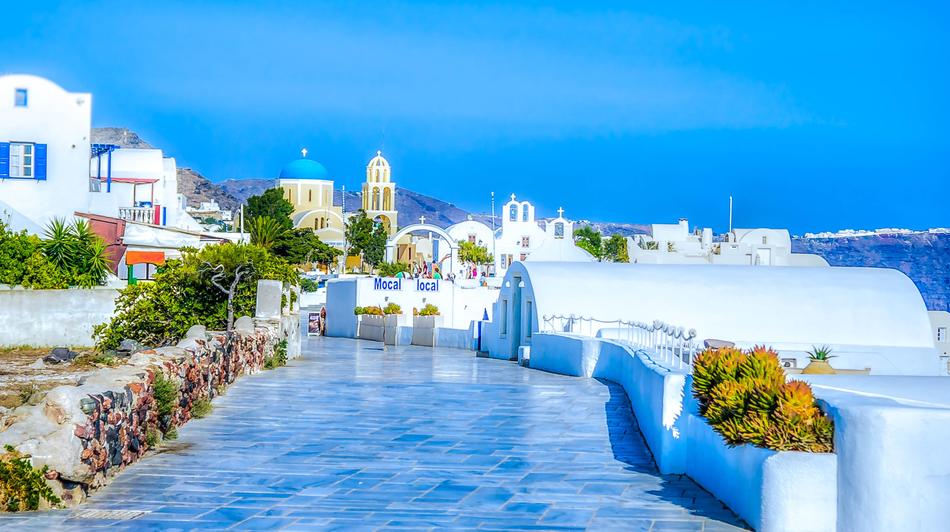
column 924, row 257
column 198, row 188
column 120, row 136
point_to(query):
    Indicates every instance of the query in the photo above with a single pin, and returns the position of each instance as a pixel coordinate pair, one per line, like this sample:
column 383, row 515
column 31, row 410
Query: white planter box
column 372, row 327
column 772, row 491
column 423, row 329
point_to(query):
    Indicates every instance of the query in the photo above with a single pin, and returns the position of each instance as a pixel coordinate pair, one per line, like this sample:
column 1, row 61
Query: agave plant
column 60, row 245
column 820, row 353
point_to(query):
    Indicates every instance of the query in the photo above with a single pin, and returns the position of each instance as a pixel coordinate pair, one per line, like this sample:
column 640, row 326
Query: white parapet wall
column 772, row 491
column 49, row 318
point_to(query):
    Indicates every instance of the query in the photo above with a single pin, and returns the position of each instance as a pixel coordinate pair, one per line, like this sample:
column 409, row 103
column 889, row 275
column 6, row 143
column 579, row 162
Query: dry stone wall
column 87, row 433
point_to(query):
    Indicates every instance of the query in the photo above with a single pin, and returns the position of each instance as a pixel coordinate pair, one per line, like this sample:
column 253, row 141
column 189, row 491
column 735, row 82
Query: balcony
column 145, row 215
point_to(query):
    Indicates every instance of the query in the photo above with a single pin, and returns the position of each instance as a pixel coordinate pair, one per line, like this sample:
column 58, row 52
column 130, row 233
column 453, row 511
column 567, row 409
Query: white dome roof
column 379, row 161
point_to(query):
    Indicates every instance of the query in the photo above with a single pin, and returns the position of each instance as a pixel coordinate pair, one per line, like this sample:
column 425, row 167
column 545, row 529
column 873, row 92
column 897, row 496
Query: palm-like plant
column 60, row 245
column 265, row 231
column 820, row 353
column 97, row 263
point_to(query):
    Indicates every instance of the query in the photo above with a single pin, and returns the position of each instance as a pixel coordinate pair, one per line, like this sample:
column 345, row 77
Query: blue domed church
column 308, row 187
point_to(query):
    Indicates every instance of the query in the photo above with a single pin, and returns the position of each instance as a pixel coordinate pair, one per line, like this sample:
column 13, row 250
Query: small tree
column 219, row 275
column 272, row 204
column 302, row 246
column 590, row 240
column 471, row 253
column 615, row 249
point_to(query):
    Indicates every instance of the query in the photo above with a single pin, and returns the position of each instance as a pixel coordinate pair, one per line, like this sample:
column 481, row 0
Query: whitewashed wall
column 51, row 318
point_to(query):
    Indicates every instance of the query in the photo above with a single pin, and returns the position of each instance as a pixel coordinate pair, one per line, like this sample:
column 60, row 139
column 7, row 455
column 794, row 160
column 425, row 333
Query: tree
column 615, row 249
column 359, row 231
column 390, row 269
column 265, row 231
column 375, row 251
column 302, row 246
column 270, row 203
column 590, row 240
column 471, row 253
column 188, row 291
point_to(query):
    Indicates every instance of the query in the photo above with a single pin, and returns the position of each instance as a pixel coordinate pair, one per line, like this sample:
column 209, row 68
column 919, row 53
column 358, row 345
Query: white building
column 50, row 169
column 675, row 244
column 871, row 317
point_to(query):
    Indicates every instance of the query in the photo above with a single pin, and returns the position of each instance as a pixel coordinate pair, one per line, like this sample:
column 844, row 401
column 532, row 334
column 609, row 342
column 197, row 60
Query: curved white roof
column 794, row 305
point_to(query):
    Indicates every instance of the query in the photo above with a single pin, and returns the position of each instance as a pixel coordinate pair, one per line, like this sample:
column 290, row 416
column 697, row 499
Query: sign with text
column 393, row 284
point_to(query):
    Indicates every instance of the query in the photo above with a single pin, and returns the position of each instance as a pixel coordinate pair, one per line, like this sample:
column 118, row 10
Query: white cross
column 560, row 212
column 304, row 152
column 422, row 220
column 512, row 197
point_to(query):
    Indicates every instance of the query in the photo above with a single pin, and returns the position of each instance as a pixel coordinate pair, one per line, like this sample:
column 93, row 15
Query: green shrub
column 370, row 311
column 279, row 358
column 22, row 486
column 153, row 437
column 201, row 408
column 165, row 392
column 69, row 255
column 161, row 312
column 171, row 434
column 392, row 308
column 744, row 397
column 359, row 311
column 390, row 269
column 429, row 310
column 309, row 285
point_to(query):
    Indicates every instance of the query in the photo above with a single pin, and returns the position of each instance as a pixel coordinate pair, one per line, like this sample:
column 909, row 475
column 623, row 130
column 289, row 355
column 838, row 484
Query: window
column 559, row 230
column 941, row 334
column 309, row 195
column 525, row 241
column 20, row 98
column 472, row 237
column 524, row 256
column 21, row 159
column 528, row 319
column 765, row 240
column 524, row 214
column 504, row 316
column 513, row 213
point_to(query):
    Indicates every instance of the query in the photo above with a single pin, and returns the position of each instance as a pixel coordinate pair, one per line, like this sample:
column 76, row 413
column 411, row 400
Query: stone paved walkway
column 350, row 437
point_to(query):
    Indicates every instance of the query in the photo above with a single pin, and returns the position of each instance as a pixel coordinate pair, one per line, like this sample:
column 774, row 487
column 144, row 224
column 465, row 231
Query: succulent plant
column 820, row 353
column 744, row 397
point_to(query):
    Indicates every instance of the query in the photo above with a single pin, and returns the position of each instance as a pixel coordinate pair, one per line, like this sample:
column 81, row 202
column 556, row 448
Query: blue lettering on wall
column 427, row 285
column 381, row 283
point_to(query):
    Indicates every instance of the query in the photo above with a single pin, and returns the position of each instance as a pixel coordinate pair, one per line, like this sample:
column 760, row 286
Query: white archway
column 424, row 227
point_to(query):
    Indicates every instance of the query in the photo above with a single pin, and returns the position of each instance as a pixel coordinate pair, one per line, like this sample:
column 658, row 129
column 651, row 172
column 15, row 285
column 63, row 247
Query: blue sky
column 817, row 116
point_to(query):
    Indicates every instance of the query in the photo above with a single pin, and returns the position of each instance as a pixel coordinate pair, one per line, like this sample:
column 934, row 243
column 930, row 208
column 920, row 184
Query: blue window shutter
column 39, row 168
column 4, row 160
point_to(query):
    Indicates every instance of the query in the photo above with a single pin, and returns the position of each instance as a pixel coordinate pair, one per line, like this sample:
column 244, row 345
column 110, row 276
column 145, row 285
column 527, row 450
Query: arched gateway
column 453, row 260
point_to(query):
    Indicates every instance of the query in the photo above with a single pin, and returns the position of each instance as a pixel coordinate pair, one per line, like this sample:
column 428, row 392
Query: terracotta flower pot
column 818, row 367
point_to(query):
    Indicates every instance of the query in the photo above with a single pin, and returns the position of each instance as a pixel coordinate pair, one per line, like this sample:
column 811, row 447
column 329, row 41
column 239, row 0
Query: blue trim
column 96, row 150
column 39, row 162
column 109, row 172
column 164, row 215
column 4, row 160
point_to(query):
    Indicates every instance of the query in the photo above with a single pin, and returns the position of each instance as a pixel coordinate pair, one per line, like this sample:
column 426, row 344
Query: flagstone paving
column 351, row 437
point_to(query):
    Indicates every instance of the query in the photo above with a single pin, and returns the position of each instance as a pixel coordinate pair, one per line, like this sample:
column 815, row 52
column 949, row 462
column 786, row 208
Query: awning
column 145, row 257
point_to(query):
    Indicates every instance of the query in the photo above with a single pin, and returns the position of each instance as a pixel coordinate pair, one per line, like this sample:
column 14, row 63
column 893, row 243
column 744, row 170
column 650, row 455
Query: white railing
column 145, row 215
column 667, row 344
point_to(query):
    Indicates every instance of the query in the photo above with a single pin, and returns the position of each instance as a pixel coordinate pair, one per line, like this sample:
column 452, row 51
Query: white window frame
column 941, row 334
column 18, row 166
column 525, row 242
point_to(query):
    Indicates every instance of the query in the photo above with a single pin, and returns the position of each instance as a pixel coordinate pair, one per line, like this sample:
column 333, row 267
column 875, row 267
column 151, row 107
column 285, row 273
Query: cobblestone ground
column 351, row 437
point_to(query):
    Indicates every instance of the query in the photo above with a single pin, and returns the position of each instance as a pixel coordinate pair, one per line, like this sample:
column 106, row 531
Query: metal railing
column 665, row 343
column 138, row 214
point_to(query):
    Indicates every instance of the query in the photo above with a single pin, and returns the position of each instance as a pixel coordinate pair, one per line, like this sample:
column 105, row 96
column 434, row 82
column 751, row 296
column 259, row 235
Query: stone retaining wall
column 85, row 434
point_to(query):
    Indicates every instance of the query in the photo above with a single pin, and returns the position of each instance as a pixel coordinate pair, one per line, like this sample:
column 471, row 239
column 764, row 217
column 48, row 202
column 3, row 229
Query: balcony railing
column 673, row 346
column 145, row 215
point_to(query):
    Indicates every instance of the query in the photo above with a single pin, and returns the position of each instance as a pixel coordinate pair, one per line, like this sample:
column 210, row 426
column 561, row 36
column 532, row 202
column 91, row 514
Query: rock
column 244, row 325
column 197, row 331
column 38, row 364
column 127, row 347
column 60, row 355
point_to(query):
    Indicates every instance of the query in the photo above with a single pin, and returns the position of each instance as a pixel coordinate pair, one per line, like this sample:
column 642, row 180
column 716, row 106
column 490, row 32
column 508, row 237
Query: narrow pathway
column 351, row 437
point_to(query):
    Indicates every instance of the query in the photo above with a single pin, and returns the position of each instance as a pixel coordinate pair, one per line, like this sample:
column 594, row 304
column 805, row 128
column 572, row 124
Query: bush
column 390, row 269
column 308, row 285
column 161, row 312
column 166, row 394
column 744, row 397
column 392, row 308
column 429, row 310
column 371, row 311
column 279, row 358
column 22, row 486
column 201, row 408
column 70, row 255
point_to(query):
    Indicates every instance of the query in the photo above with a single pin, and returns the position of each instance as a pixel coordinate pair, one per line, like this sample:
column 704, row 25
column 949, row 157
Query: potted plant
column 371, row 323
column 818, row 361
column 424, row 323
